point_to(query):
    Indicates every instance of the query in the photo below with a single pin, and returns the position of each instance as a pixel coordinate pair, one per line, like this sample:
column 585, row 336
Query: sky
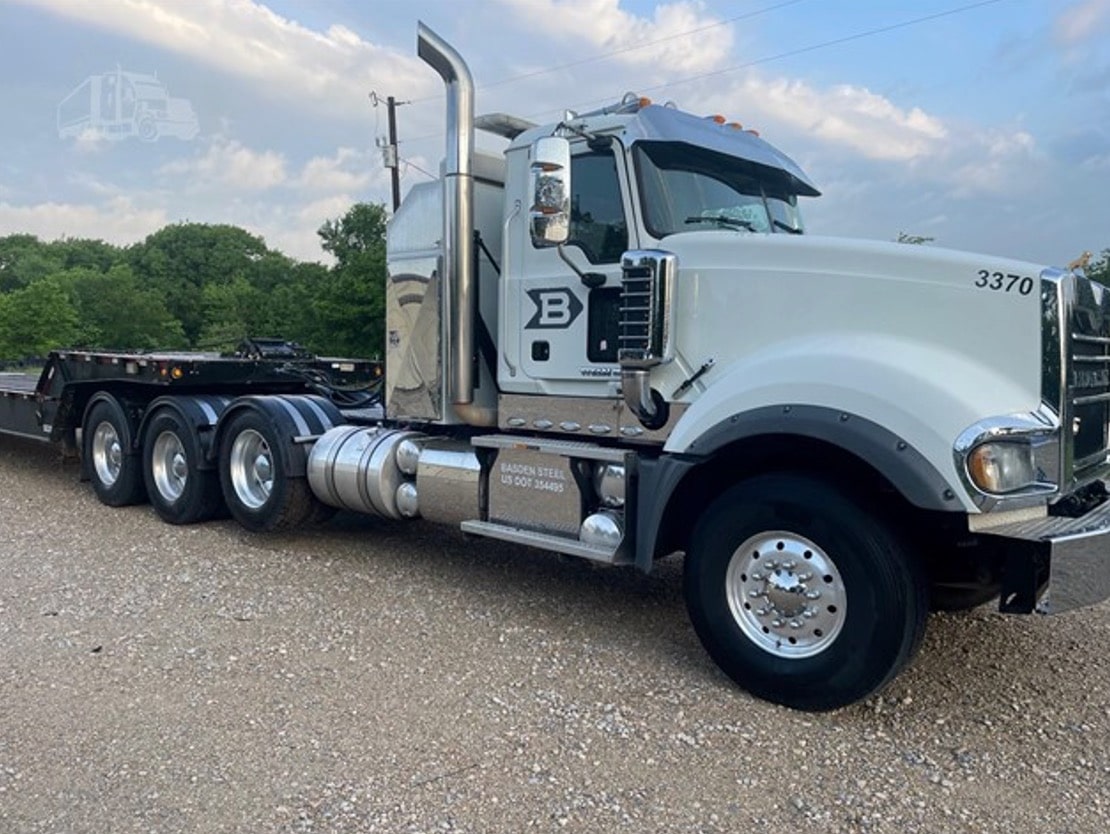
column 983, row 125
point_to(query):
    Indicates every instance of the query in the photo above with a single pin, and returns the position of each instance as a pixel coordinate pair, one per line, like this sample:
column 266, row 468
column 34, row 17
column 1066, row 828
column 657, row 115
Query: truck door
column 569, row 326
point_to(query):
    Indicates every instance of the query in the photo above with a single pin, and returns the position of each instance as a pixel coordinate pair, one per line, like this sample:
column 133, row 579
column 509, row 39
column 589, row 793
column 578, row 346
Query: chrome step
column 562, row 448
column 544, row 541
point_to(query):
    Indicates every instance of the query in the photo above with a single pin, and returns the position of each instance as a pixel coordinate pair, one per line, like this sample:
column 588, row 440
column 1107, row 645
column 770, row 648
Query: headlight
column 1002, row 467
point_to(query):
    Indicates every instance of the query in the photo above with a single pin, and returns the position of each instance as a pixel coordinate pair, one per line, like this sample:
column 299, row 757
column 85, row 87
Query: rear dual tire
column 107, row 448
column 181, row 488
column 254, row 474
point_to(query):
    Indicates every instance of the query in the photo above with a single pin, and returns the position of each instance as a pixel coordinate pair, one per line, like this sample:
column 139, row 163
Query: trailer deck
column 19, row 406
column 51, row 405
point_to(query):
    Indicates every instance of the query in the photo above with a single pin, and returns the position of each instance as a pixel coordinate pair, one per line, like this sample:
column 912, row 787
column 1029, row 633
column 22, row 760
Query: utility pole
column 390, row 157
column 391, row 113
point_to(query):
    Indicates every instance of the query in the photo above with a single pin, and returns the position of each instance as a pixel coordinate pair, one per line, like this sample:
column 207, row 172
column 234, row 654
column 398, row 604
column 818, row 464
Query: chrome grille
column 645, row 311
column 1088, row 376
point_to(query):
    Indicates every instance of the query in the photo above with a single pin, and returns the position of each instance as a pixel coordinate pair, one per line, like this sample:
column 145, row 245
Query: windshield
column 684, row 188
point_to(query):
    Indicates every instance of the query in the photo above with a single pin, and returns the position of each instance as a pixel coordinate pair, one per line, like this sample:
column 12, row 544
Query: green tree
column 290, row 307
column 25, row 259
column 360, row 230
column 350, row 306
column 37, row 319
column 117, row 312
column 232, row 312
column 1100, row 270
column 80, row 252
column 179, row 261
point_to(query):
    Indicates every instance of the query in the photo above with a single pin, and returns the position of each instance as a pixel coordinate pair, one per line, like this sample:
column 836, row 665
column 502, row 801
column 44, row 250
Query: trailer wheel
column 115, row 472
column 800, row 596
column 179, row 491
column 254, row 475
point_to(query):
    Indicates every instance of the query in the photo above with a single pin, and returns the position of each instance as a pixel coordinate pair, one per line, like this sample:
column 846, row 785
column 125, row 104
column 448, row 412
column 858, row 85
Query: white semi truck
column 617, row 342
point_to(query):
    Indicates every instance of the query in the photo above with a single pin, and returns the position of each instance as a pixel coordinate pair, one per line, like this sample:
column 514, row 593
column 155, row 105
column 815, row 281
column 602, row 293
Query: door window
column 597, row 224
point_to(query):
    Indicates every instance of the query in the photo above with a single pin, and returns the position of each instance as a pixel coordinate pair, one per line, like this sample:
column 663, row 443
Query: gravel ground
column 368, row 676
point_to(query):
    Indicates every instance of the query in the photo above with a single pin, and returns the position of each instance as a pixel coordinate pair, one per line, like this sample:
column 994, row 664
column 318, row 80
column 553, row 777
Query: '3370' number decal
column 1004, row 282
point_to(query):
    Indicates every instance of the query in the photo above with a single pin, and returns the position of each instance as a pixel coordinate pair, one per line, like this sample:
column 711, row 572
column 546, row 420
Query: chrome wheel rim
column 252, row 468
column 107, row 453
column 169, row 466
column 786, row 594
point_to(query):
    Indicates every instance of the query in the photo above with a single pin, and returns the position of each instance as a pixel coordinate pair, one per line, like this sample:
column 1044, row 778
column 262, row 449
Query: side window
column 597, row 224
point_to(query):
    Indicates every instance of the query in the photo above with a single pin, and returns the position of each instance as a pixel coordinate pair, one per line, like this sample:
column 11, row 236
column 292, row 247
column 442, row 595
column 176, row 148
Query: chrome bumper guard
column 1057, row 563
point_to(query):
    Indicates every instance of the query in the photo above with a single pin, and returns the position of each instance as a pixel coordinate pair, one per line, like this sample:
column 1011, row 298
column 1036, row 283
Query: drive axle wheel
column 800, row 596
column 180, row 491
column 254, row 475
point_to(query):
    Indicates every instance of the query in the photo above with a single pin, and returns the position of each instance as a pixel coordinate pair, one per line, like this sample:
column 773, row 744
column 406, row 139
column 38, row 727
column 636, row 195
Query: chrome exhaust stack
column 458, row 277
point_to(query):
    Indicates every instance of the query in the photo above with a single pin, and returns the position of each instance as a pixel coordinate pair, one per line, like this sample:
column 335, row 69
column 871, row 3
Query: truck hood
column 920, row 340
column 897, row 261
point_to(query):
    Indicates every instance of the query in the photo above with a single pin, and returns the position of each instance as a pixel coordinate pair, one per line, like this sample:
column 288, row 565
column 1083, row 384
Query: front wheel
column 800, row 596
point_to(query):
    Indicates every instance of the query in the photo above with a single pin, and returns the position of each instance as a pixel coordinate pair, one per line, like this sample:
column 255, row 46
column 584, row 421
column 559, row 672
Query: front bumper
column 1055, row 564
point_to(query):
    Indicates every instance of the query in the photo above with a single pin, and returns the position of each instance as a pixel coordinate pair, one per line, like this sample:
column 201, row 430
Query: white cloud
column 1082, row 21
column 90, row 141
column 854, row 117
column 327, row 70
column 608, row 27
column 993, row 161
column 117, row 221
column 225, row 163
column 347, row 170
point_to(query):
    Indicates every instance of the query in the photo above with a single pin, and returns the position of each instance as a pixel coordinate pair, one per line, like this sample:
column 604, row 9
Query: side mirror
column 550, row 211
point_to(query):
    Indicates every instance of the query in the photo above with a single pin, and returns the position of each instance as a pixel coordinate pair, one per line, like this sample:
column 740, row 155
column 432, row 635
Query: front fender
column 898, row 405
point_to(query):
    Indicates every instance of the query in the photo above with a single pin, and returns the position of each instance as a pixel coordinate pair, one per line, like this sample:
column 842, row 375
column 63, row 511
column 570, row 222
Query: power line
column 634, row 47
column 879, row 30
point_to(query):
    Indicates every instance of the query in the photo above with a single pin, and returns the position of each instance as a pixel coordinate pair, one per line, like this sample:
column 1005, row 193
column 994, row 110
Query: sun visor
column 656, row 123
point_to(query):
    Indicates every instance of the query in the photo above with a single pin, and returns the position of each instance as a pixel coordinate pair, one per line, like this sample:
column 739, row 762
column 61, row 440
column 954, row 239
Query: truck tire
column 115, row 472
column 801, row 596
column 179, row 491
column 254, row 469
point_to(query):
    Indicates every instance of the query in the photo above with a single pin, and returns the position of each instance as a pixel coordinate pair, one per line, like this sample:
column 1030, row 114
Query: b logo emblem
column 556, row 309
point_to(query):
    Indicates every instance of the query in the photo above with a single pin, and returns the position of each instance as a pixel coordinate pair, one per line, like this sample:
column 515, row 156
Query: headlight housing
column 1002, row 467
column 1012, row 459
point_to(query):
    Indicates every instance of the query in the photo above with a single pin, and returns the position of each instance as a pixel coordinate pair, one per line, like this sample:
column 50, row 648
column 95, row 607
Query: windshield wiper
column 780, row 225
column 722, row 220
